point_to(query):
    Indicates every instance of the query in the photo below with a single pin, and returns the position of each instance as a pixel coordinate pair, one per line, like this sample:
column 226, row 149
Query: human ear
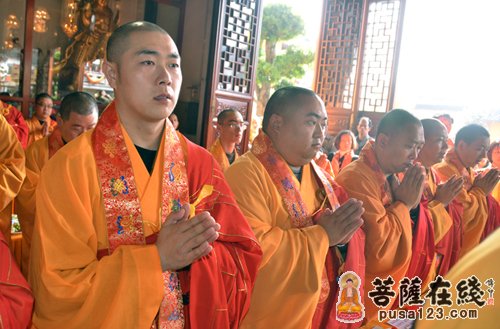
column 111, row 72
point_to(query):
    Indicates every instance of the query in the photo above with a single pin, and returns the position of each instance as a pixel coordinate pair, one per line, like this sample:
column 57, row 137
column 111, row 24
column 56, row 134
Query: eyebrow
column 155, row 53
column 312, row 114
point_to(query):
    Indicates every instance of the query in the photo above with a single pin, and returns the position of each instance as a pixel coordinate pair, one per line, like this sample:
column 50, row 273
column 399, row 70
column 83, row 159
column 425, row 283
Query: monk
column 480, row 264
column 364, row 127
column 448, row 121
column 16, row 120
column 471, row 144
column 12, row 173
column 438, row 198
column 16, row 300
column 387, row 222
column 230, row 126
column 40, row 124
column 140, row 230
column 78, row 113
column 307, row 225
column 494, row 158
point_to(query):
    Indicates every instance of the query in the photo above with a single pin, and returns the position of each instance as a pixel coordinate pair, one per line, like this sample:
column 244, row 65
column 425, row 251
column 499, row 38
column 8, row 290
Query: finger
column 348, row 211
column 210, row 235
column 198, row 223
column 177, row 216
column 198, row 252
column 351, row 229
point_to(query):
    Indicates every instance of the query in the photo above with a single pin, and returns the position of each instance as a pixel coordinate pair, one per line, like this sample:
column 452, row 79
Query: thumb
column 394, row 183
column 179, row 215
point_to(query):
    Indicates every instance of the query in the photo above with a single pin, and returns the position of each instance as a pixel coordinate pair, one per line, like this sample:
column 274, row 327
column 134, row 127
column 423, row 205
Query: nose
column 319, row 131
column 164, row 76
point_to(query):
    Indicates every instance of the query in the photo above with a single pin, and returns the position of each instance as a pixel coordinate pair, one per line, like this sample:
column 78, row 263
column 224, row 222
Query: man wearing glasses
column 40, row 124
column 230, row 126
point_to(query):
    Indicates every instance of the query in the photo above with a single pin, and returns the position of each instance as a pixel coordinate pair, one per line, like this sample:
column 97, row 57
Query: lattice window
column 338, row 52
column 378, row 55
column 238, row 46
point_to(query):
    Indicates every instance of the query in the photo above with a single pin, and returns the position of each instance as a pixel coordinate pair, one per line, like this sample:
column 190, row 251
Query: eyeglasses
column 45, row 105
column 242, row 125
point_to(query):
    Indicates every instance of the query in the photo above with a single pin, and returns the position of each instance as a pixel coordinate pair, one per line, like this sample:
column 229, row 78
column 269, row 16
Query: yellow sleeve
column 475, row 207
column 388, row 230
column 440, row 218
column 72, row 288
column 293, row 260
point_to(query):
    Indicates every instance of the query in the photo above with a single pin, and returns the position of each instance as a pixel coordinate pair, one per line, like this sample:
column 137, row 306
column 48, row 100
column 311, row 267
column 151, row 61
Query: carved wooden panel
column 233, row 76
column 336, row 70
column 378, row 55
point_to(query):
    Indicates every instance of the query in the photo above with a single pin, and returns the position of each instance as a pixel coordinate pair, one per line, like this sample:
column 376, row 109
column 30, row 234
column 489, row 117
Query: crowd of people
column 128, row 224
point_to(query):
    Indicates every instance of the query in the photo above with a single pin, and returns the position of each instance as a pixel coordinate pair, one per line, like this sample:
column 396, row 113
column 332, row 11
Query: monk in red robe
column 392, row 207
column 141, row 229
column 16, row 120
column 307, row 225
column 438, row 198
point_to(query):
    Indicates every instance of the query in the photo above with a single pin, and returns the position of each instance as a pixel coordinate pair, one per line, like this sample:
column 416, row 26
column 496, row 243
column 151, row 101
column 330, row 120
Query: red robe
column 16, row 120
column 16, row 301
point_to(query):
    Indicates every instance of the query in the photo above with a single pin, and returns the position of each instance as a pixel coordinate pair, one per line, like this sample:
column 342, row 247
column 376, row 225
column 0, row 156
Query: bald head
column 78, row 102
column 283, row 102
column 118, row 41
column 223, row 115
column 432, row 127
column 395, row 122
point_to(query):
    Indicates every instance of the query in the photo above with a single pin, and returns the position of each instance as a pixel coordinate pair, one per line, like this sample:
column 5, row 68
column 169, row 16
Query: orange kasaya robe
column 16, row 300
column 387, row 224
column 322, row 161
column 37, row 155
column 339, row 163
column 35, row 129
column 448, row 241
column 12, row 171
column 220, row 156
column 297, row 282
column 472, row 199
column 481, row 264
column 84, row 272
column 16, row 120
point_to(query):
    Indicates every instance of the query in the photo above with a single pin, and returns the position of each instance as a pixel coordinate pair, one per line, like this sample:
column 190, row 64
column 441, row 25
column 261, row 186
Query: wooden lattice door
column 234, row 57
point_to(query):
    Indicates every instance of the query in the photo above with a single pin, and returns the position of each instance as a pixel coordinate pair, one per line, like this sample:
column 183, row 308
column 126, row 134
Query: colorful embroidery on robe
column 121, row 200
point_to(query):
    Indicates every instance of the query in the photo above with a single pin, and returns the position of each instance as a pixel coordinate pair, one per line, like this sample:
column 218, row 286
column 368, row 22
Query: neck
column 227, row 146
column 427, row 164
column 382, row 165
column 342, row 153
column 145, row 135
column 460, row 160
column 361, row 137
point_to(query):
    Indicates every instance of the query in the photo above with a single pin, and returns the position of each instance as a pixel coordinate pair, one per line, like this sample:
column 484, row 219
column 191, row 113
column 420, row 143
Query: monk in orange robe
column 16, row 120
column 78, row 113
column 471, row 143
column 230, row 126
column 295, row 210
column 141, row 229
column 438, row 198
column 345, row 143
column 40, row 124
column 494, row 157
column 12, row 173
column 16, row 300
column 387, row 221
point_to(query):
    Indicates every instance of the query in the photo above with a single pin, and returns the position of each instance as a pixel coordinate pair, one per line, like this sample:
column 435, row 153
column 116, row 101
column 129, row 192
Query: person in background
column 78, row 114
column 40, row 124
column 230, row 126
column 15, row 118
column 345, row 143
column 174, row 120
column 448, row 121
column 363, row 137
column 494, row 157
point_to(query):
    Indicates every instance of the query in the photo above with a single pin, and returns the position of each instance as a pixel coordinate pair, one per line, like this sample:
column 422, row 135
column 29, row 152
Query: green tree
column 275, row 71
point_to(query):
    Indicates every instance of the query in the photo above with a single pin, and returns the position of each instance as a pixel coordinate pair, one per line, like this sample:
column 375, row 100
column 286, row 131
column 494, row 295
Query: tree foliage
column 274, row 71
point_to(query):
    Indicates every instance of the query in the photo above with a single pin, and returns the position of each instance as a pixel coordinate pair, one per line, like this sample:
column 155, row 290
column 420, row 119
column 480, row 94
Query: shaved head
column 224, row 114
column 79, row 102
column 396, row 121
column 432, row 127
column 283, row 102
column 118, row 41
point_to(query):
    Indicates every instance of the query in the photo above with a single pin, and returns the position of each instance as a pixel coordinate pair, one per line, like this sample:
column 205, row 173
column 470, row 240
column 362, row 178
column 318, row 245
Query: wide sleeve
column 12, row 164
column 74, row 289
column 16, row 300
column 475, row 209
column 293, row 258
